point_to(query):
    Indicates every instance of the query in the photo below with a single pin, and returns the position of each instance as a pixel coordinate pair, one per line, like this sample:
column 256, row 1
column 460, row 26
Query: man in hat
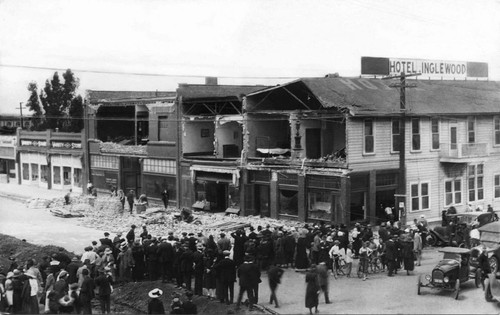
column 131, row 234
column 87, row 292
column 104, row 282
column 391, row 254
column 130, row 200
column 144, row 233
column 106, row 241
column 165, row 254
column 176, row 306
column 199, row 269
column 225, row 271
column 151, row 251
column 239, row 246
column 322, row 271
column 249, row 279
column 274, row 275
column 155, row 306
column 223, row 243
column 186, row 266
column 72, row 268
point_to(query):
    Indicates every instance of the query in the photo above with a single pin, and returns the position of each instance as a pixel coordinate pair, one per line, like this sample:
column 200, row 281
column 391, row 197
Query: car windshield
column 453, row 256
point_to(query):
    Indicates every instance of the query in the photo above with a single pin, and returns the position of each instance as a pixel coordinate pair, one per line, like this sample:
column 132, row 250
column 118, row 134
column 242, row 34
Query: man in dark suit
column 87, row 292
column 165, row 254
column 152, row 259
column 106, row 241
column 274, row 276
column 199, row 269
column 186, row 266
column 131, row 234
column 226, row 274
column 391, row 253
column 249, row 275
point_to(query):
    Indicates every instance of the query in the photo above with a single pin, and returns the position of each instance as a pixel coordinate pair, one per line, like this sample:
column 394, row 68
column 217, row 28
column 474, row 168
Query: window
column 77, row 177
column 26, row 171
column 57, row 175
column 496, row 186
column 67, row 175
column 100, row 161
column 34, row 172
column 396, row 135
column 453, row 191
column 160, row 166
column 415, row 134
column 471, row 130
column 369, row 137
column 453, row 138
column 288, row 202
column 162, row 128
column 44, row 173
column 320, row 204
column 496, row 123
column 435, row 133
column 475, row 179
column 420, row 196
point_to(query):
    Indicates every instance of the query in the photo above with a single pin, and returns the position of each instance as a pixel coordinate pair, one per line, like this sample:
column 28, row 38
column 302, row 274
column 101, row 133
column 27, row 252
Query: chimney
column 210, row 80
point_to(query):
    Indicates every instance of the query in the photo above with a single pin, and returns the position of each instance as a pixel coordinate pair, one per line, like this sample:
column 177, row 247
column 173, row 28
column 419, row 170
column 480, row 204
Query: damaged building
column 212, row 141
column 132, row 138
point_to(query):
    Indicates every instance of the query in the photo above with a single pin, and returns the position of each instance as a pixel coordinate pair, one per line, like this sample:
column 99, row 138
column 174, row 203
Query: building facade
column 8, row 167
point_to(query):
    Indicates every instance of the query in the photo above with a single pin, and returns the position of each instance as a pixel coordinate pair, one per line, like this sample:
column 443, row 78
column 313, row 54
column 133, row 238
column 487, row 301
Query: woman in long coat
column 125, row 263
column 312, row 289
column 301, row 260
column 139, row 263
column 209, row 276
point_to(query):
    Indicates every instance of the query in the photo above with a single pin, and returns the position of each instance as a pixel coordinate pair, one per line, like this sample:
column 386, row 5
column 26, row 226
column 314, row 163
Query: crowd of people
column 208, row 265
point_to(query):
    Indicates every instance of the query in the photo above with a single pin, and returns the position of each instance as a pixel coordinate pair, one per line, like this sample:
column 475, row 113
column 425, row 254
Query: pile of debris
column 105, row 213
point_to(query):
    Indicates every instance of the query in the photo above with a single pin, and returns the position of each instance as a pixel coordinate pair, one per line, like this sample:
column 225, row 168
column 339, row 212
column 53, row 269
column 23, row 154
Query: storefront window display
column 44, row 173
column 57, row 175
column 288, row 202
column 34, row 172
column 26, row 171
column 67, row 175
column 77, row 177
column 319, row 205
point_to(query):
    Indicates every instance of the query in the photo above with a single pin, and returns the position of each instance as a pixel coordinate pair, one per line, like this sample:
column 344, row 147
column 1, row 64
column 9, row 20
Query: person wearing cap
column 223, row 243
column 104, row 282
column 108, row 260
column 225, row 271
column 391, row 253
column 155, row 305
column 130, row 200
column 239, row 246
column 144, row 233
column 106, row 241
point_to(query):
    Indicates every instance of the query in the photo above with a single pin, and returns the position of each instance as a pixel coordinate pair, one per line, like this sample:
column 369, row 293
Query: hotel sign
column 433, row 69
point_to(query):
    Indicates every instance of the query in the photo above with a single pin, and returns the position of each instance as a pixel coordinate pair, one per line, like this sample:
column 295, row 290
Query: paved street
column 379, row 294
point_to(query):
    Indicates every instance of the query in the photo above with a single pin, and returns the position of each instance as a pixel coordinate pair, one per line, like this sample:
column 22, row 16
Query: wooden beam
column 295, row 97
column 238, row 110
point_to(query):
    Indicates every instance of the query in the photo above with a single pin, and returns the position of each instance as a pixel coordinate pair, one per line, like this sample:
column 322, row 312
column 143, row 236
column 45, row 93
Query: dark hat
column 106, row 234
column 133, row 226
column 184, row 233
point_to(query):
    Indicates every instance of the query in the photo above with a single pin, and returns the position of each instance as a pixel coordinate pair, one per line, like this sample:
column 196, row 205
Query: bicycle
column 373, row 265
column 340, row 269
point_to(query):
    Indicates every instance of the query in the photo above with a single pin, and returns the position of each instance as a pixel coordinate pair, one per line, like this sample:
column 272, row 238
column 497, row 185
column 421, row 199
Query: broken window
column 289, row 202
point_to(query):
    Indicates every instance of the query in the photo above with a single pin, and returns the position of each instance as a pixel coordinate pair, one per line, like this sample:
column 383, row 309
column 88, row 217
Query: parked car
column 490, row 237
column 451, row 272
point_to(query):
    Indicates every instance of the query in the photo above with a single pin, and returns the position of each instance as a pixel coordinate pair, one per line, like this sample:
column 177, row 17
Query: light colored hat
column 422, row 216
column 226, row 253
column 155, row 293
column 10, row 274
column 108, row 251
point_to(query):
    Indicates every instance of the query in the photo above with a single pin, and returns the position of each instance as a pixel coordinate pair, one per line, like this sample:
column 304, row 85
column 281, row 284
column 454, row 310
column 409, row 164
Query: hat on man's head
column 133, row 226
column 75, row 258
column 226, row 253
column 155, row 293
column 106, row 234
column 108, row 251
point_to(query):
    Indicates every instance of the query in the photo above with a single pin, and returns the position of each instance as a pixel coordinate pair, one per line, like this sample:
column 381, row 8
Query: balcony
column 462, row 152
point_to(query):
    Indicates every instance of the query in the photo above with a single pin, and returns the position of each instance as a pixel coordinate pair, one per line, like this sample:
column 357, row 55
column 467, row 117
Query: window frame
column 420, row 196
column 372, row 135
column 475, row 177
column 471, row 119
column 438, row 133
column 454, row 191
column 495, row 186
column 419, row 134
column 495, row 131
column 398, row 121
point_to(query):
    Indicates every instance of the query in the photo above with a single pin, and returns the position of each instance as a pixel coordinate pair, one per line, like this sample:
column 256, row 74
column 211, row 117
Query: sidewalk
column 26, row 192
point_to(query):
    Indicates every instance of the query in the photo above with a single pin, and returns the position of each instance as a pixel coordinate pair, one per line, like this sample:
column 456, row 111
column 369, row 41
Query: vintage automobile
column 490, row 237
column 451, row 272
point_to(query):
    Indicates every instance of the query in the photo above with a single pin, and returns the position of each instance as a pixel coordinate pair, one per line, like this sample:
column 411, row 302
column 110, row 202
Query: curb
column 14, row 197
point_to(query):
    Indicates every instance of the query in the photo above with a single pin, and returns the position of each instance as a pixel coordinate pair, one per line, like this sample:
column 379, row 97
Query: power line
column 150, row 74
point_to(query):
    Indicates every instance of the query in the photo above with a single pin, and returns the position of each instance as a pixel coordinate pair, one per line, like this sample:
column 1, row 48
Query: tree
column 34, row 106
column 63, row 108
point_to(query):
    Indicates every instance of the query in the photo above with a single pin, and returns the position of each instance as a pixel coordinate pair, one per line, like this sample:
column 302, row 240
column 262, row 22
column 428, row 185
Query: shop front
column 34, row 169
column 216, row 189
column 159, row 174
column 104, row 171
column 7, row 159
column 66, row 172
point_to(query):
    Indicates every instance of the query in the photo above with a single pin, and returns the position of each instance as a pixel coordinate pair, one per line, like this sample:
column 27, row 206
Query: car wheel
column 477, row 279
column 493, row 264
column 431, row 240
column 457, row 289
column 419, row 284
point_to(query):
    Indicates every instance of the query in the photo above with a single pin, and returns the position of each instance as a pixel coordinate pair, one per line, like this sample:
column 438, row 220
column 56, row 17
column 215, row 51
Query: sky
column 157, row 44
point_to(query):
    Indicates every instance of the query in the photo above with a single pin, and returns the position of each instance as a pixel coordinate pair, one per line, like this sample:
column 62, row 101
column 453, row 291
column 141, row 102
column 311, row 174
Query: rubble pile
column 38, row 203
column 105, row 213
column 111, row 147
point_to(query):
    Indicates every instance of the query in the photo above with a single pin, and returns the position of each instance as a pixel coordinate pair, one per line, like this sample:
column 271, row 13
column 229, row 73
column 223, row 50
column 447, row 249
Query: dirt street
column 379, row 294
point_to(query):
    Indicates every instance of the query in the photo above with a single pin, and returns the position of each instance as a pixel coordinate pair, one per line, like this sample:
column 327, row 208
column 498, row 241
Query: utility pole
column 21, row 111
column 400, row 196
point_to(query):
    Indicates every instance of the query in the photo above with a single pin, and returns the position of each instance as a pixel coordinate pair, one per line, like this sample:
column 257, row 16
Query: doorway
column 384, row 199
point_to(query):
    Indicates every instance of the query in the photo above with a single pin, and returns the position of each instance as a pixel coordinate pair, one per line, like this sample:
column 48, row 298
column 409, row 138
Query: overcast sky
column 188, row 39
